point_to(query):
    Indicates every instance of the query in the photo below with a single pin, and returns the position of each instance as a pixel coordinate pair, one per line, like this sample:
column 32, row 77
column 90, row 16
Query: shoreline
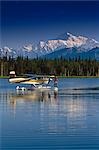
column 4, row 77
column 78, row 76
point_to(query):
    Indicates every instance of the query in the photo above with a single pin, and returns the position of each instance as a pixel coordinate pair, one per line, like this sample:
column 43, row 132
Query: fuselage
column 34, row 81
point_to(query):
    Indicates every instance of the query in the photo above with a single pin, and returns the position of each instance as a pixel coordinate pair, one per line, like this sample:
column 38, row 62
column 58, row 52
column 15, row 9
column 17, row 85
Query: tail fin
column 12, row 74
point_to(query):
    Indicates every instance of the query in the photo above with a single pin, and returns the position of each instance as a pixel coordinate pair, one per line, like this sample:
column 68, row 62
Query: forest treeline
column 59, row 67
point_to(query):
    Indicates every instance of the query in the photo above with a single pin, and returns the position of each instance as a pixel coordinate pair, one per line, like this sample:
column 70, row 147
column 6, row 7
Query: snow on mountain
column 79, row 42
column 54, row 44
column 51, row 45
column 74, row 41
column 6, row 51
column 68, row 42
column 28, row 47
column 90, row 44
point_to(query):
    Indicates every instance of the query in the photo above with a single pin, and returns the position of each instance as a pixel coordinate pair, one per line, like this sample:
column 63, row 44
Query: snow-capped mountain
column 69, row 42
column 89, row 44
column 82, row 44
column 28, row 47
column 6, row 51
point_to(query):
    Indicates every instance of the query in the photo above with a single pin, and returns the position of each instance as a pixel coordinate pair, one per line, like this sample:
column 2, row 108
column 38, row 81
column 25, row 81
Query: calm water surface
column 43, row 120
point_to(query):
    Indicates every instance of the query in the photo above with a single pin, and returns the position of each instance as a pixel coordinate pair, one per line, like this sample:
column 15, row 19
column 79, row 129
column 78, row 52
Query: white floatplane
column 37, row 81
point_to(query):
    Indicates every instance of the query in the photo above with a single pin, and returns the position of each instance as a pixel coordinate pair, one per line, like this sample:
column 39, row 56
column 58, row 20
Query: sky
column 28, row 22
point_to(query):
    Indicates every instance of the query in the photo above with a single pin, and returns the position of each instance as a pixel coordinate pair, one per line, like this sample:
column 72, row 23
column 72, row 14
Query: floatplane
column 36, row 81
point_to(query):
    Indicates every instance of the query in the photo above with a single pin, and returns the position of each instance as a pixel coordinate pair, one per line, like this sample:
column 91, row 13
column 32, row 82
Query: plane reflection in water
column 71, row 108
column 36, row 95
column 57, row 113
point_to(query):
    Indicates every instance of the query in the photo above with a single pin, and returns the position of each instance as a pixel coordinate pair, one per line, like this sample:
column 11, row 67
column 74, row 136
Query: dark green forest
column 59, row 67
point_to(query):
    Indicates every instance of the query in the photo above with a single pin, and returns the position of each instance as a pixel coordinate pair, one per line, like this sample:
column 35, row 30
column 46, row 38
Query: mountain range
column 66, row 46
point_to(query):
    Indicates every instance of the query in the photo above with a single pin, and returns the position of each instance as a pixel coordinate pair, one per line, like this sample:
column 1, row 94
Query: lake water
column 43, row 120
